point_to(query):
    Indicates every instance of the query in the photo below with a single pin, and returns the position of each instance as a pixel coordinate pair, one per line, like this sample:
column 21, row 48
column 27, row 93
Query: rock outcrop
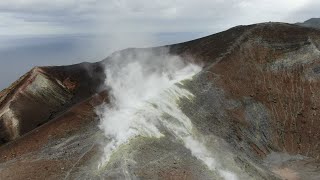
column 44, row 93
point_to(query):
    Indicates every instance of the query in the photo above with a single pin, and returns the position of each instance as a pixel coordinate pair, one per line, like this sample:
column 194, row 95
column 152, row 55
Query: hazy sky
column 20, row 17
column 61, row 32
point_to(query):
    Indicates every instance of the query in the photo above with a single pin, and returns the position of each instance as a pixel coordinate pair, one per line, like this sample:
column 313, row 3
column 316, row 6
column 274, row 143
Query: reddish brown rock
column 42, row 94
column 257, row 94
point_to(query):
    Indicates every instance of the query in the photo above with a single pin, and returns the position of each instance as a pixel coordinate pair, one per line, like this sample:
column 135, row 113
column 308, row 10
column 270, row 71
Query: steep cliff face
column 42, row 94
column 254, row 104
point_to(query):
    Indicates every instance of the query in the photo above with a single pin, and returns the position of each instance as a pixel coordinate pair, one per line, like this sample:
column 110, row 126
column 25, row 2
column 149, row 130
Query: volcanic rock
column 255, row 101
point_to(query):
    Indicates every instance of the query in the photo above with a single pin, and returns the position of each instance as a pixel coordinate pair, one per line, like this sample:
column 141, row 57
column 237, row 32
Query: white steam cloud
column 144, row 89
column 135, row 80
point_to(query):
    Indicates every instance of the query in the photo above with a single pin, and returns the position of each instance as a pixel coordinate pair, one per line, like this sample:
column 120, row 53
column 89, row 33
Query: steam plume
column 143, row 86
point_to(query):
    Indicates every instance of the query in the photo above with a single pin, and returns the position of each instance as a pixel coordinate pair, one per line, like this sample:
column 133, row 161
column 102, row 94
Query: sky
column 60, row 32
column 25, row 17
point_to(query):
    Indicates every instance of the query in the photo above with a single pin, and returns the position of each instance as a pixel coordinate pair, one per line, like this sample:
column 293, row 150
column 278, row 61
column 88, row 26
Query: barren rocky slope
column 42, row 94
column 313, row 22
column 255, row 102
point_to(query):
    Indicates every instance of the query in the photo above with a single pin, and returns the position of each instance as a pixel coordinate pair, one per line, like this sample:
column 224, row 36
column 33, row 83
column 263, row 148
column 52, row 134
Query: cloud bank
column 102, row 16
